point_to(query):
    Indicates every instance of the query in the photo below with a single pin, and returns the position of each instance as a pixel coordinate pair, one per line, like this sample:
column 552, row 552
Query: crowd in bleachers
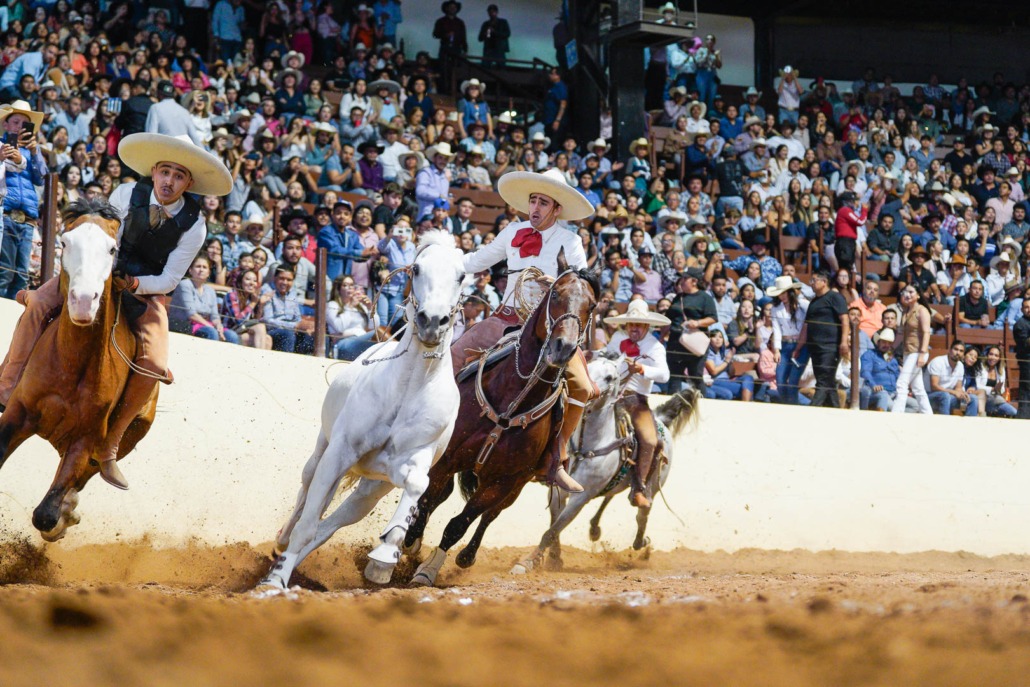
column 337, row 139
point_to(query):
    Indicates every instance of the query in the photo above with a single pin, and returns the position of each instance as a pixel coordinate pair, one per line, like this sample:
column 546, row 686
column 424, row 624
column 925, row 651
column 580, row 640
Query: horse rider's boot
column 112, row 474
column 40, row 306
column 647, row 441
column 559, row 475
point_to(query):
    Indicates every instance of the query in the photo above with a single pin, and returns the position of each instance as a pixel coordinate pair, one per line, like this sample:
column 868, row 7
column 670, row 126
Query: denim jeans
column 353, row 346
column 942, row 402
column 291, row 341
column 729, row 389
column 706, row 86
column 789, row 116
column 728, row 202
column 788, row 374
column 228, row 49
column 212, row 334
column 15, row 254
column 877, row 400
column 387, row 306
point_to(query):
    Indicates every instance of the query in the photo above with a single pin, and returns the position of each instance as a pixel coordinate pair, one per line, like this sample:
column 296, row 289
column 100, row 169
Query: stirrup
column 112, row 474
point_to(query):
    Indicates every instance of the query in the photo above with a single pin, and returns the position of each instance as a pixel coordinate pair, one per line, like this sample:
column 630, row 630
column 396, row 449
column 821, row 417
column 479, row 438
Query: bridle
column 550, row 324
column 412, row 299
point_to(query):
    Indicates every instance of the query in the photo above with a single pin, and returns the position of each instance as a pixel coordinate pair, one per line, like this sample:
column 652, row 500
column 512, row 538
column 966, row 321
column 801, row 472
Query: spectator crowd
column 761, row 226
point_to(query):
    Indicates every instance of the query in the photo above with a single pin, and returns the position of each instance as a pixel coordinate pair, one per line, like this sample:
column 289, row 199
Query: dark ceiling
column 1000, row 13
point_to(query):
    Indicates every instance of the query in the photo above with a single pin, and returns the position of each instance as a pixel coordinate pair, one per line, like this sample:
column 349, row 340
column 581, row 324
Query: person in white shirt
column 944, row 376
column 546, row 198
column 646, row 363
column 160, row 233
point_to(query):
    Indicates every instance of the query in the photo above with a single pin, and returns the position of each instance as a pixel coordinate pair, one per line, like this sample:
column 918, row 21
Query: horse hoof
column 72, row 518
column 415, row 547
column 641, row 543
column 55, row 534
column 466, row 558
column 521, row 568
column 595, row 533
column 554, row 564
column 378, row 573
column 273, row 584
column 422, row 579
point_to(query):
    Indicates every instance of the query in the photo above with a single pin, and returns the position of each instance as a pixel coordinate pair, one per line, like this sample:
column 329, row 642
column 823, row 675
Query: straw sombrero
column 23, row 108
column 442, row 148
column 637, row 313
column 782, row 284
column 516, row 187
column 140, row 152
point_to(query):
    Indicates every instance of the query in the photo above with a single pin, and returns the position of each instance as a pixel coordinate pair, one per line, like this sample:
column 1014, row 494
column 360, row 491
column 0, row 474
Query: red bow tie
column 529, row 242
column 630, row 348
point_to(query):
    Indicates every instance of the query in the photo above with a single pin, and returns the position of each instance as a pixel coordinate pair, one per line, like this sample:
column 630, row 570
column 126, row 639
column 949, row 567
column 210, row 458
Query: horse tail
column 680, row 410
column 347, row 482
column 468, row 482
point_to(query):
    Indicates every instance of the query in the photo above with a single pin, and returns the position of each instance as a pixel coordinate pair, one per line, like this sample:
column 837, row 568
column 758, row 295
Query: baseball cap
column 165, row 87
column 441, row 204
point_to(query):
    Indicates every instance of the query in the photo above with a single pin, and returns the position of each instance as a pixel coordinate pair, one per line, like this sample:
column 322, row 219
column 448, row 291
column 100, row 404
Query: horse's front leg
column 413, row 477
column 56, row 512
column 550, row 539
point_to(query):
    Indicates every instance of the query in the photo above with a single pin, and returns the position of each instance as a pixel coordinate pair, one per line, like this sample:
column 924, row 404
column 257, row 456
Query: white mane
column 437, row 237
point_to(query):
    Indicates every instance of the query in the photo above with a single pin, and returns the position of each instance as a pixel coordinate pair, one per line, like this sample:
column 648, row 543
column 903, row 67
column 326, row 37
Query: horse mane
column 84, row 207
column 437, row 237
column 593, row 278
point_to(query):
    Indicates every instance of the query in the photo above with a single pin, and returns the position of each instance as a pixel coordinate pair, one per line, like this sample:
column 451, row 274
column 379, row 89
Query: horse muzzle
column 430, row 329
column 559, row 352
column 83, row 306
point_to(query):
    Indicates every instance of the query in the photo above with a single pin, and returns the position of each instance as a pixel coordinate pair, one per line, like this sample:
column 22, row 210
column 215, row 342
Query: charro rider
column 545, row 198
column 645, row 359
column 161, row 233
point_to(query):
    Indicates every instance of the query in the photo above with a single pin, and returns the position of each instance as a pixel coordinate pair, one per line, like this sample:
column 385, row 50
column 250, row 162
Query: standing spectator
column 879, row 369
column 788, row 91
column 366, row 249
column 915, row 339
column 647, row 281
column 281, row 315
column 387, row 14
column 708, row 61
column 399, row 251
column 555, row 105
column 434, row 180
column 450, row 31
column 21, row 204
column 850, row 217
column 826, row 334
column 1021, row 337
column 692, row 312
column 133, row 117
column 788, row 319
column 170, row 118
column 945, row 374
column 226, row 21
column 494, row 35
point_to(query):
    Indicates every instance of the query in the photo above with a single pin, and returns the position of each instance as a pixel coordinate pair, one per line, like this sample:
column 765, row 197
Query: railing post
column 276, row 211
column 855, row 380
column 48, row 228
column 320, row 304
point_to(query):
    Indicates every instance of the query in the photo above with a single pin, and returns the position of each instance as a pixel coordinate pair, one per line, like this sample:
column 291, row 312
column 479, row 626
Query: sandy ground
column 131, row 615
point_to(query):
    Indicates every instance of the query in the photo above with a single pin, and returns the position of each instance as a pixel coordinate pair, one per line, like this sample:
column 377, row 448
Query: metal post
column 320, row 304
column 855, row 381
column 48, row 228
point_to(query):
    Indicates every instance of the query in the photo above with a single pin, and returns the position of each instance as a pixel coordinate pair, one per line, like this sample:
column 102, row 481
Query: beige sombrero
column 781, row 285
column 23, row 108
column 140, row 152
column 422, row 162
column 516, row 187
column 637, row 313
column 442, row 148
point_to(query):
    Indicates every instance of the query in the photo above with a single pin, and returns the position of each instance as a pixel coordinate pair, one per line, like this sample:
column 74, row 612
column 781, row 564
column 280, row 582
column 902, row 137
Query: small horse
column 521, row 444
column 73, row 382
column 385, row 420
column 601, row 465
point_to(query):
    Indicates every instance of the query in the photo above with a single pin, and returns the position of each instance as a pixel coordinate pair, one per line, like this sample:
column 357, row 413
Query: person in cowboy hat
column 450, row 31
column 545, row 198
column 647, row 365
column 434, row 180
column 880, row 370
column 162, row 230
column 24, row 169
column 751, row 108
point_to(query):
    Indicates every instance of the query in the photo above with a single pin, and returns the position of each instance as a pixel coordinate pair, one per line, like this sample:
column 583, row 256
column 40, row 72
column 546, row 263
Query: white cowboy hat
column 950, row 200
column 360, row 47
column 599, row 143
column 453, row 116
column 1003, row 256
column 883, row 335
column 476, row 150
column 983, row 109
column 667, row 7
column 417, row 154
column 472, row 82
column 637, row 313
column 697, row 103
column 752, row 120
column 293, row 53
column 516, row 187
column 324, row 127
column 392, row 86
column 936, row 187
column 540, row 137
column 677, row 90
column 782, row 285
column 140, row 152
column 790, row 70
column 751, row 90
column 254, row 218
column 507, row 117
column 637, row 143
column 688, row 243
column 441, row 148
column 1013, row 172
column 989, row 127
column 222, row 132
column 759, row 142
column 23, row 108
column 861, row 166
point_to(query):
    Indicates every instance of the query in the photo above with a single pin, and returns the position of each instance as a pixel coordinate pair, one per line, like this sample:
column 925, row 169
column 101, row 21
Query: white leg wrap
column 279, row 575
column 389, row 550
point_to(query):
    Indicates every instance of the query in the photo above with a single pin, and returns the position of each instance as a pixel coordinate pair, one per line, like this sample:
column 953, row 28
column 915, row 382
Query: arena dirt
column 132, row 615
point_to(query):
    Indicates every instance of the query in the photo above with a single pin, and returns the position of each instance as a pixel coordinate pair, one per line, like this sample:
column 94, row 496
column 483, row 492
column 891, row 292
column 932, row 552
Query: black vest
column 144, row 250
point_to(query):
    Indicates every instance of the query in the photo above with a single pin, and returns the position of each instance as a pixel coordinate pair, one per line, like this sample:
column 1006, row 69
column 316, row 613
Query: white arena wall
column 222, row 465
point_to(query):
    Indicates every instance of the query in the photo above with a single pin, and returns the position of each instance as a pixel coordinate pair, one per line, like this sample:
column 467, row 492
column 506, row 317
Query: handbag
column 695, row 342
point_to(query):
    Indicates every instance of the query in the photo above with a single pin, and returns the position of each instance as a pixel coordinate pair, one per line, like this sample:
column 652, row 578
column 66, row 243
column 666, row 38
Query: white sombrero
column 142, row 151
column 23, row 108
column 637, row 313
column 442, row 148
column 516, row 187
column 781, row 285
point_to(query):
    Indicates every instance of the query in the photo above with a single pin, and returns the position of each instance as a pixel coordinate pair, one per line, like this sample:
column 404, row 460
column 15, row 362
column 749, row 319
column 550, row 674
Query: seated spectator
column 973, row 309
column 879, row 372
column 717, row 366
column 945, row 375
column 194, row 308
column 281, row 315
column 349, row 319
column 770, row 266
column 991, row 381
column 617, row 276
column 971, row 361
column 920, row 276
column 242, row 307
column 954, row 283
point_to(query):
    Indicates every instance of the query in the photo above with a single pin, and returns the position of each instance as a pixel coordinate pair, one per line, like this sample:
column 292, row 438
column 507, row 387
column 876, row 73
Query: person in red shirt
column 850, row 217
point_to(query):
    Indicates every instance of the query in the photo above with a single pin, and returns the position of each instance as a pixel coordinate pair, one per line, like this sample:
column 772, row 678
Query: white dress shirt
column 785, row 326
column 180, row 259
column 554, row 239
column 652, row 357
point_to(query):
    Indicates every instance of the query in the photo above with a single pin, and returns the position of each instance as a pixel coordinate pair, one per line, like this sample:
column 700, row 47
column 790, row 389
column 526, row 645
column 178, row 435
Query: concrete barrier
column 222, row 464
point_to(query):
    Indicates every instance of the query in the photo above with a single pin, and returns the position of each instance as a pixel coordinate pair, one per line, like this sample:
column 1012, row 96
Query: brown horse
column 499, row 451
column 73, row 381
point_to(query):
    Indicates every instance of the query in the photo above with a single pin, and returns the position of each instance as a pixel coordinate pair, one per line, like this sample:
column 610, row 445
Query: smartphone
column 114, row 105
column 29, row 127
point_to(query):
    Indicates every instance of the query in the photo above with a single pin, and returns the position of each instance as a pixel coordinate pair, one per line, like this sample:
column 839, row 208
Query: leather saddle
column 501, row 350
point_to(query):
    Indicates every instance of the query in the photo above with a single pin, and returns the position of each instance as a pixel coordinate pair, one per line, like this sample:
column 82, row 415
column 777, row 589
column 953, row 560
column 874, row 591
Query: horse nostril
column 421, row 318
column 444, row 320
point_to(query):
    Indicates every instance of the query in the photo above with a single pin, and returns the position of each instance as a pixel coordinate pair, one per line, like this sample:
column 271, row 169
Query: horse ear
column 563, row 264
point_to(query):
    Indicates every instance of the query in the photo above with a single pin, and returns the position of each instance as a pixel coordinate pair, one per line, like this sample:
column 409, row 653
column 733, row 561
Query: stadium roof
column 1001, row 13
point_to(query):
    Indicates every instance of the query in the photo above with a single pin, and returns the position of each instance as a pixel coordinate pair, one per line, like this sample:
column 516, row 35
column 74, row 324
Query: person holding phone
column 21, row 202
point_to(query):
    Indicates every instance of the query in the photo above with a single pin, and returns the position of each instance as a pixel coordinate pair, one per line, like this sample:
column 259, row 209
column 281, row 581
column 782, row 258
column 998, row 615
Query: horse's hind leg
column 467, row 557
column 641, row 541
column 282, row 539
column 595, row 522
column 441, row 486
column 14, row 430
column 550, row 541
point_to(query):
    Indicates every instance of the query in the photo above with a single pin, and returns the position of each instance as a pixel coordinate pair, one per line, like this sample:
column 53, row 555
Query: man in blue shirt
column 880, row 370
column 586, row 181
column 75, row 121
column 387, row 14
column 555, row 104
column 617, row 276
column 34, row 64
column 21, row 205
column 226, row 21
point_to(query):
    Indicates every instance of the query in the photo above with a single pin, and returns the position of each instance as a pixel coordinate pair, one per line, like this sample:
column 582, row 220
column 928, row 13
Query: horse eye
column 113, row 250
column 415, row 269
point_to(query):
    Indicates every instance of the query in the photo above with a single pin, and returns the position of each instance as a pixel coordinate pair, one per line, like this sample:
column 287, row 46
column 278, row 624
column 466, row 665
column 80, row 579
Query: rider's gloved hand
column 124, row 282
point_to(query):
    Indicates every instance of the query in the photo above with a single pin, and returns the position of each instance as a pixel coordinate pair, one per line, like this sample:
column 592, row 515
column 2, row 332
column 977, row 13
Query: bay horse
column 385, row 420
column 498, row 457
column 74, row 379
column 601, row 460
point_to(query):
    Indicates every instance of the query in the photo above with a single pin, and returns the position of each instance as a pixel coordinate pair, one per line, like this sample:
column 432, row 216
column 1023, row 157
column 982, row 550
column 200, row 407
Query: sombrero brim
column 773, row 291
column 392, row 86
column 515, row 188
column 35, row 117
column 652, row 319
column 142, row 151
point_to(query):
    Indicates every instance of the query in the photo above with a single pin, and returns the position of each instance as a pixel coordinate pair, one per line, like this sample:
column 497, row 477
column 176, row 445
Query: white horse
column 599, row 465
column 385, row 420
